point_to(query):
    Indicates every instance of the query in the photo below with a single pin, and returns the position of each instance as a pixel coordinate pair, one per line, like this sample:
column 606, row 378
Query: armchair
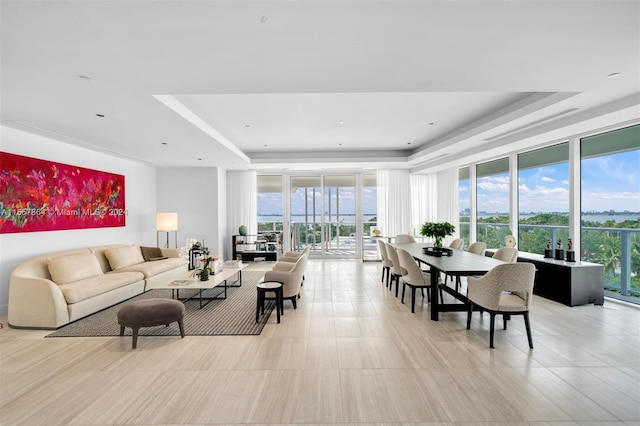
column 506, row 289
column 290, row 275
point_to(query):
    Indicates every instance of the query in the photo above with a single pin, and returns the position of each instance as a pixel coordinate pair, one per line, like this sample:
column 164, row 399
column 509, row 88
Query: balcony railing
column 599, row 245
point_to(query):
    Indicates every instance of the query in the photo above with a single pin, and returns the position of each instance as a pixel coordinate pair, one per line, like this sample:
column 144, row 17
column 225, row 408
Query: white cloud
column 547, row 179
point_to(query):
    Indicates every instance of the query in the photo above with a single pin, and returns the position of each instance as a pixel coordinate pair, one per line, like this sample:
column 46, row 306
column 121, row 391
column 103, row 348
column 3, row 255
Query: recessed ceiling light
column 341, row 122
column 431, row 124
column 614, row 75
column 265, row 145
column 339, row 144
column 164, row 143
column 408, row 143
column 100, row 115
column 199, row 159
column 84, row 77
column 247, row 125
column 263, row 19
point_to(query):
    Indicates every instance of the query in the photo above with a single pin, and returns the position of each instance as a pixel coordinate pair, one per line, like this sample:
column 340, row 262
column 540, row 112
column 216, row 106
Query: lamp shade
column 167, row 221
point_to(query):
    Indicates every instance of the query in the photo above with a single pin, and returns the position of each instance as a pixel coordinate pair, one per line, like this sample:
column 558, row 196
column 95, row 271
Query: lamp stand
column 167, row 245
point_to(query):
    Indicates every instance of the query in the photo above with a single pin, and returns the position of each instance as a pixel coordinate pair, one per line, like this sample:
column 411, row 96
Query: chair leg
column 492, row 329
column 528, row 327
column 504, row 322
column 397, row 285
column 469, row 315
column 413, row 299
column 404, row 285
column 181, row 326
column 134, row 343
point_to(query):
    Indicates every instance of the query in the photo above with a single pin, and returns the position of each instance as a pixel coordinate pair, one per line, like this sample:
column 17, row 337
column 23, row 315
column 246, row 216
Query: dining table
column 460, row 263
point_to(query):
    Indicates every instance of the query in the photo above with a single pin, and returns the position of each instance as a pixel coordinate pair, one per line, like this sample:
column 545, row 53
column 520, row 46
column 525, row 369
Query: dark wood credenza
column 571, row 283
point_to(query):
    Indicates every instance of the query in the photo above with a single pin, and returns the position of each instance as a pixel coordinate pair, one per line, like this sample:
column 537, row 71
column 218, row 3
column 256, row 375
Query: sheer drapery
column 394, row 202
column 424, row 197
column 447, row 205
column 242, row 201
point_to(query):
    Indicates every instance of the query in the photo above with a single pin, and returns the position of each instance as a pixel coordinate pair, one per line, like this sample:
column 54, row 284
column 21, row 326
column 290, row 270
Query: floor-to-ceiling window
column 610, row 211
column 464, row 204
column 369, row 216
column 340, row 220
column 306, row 212
column 492, row 202
column 543, row 198
column 269, row 203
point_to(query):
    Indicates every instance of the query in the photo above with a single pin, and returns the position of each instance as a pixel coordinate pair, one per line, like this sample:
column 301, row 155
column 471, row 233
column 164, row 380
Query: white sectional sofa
column 52, row 290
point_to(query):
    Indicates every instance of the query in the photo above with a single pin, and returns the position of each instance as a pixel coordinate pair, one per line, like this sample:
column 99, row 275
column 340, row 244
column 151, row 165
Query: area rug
column 235, row 315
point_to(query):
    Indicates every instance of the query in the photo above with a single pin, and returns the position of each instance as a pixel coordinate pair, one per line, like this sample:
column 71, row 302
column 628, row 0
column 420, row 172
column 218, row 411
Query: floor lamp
column 166, row 222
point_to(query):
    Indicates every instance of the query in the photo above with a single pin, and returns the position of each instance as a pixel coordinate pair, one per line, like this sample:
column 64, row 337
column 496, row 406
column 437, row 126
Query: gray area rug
column 235, row 315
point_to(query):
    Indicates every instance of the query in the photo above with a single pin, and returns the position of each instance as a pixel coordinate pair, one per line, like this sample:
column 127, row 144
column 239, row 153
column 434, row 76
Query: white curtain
column 424, row 196
column 447, row 205
column 394, row 202
column 242, row 209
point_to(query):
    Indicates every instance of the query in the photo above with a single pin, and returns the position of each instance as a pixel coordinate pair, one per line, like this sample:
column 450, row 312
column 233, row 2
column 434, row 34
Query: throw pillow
column 151, row 253
column 73, row 267
column 121, row 257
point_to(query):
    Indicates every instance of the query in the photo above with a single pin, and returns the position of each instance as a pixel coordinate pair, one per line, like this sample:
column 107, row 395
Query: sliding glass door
column 324, row 215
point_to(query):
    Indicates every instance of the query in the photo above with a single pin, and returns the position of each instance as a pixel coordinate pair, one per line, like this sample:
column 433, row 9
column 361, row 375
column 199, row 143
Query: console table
column 571, row 283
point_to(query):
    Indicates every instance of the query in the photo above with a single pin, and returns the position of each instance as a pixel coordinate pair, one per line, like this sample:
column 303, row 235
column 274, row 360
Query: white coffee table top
column 195, row 283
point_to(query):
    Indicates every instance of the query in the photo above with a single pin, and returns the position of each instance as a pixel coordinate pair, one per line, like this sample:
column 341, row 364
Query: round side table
column 266, row 287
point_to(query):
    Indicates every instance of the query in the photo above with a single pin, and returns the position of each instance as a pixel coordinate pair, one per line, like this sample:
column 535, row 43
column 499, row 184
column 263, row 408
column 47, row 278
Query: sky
column 609, row 182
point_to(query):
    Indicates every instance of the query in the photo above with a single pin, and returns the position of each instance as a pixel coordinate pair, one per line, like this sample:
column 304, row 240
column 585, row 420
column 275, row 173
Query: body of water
column 345, row 219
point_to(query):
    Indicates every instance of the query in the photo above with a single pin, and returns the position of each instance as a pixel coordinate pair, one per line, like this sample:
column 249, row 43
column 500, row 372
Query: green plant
column 205, row 269
column 437, row 230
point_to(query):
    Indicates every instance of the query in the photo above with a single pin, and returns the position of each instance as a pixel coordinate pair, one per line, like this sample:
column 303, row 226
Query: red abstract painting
column 40, row 195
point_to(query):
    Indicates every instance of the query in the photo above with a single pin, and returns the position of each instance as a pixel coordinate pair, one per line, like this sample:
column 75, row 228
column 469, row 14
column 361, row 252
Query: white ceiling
column 317, row 84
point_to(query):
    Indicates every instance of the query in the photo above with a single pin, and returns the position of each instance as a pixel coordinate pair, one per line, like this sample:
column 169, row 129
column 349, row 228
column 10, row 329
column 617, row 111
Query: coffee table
column 189, row 283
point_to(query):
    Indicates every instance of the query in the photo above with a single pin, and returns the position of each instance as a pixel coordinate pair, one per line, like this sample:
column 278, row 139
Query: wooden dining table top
column 459, row 263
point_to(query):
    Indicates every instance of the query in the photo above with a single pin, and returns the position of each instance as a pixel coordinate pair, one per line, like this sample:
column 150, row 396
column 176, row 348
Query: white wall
column 194, row 194
column 140, row 198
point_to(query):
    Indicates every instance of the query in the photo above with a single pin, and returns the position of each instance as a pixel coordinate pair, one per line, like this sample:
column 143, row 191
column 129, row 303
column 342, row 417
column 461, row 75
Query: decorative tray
column 437, row 252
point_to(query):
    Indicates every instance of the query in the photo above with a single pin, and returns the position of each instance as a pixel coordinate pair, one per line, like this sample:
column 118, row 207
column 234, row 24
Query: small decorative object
column 437, row 231
column 548, row 252
column 242, row 230
column 204, row 272
column 509, row 241
column 571, row 255
column 559, row 251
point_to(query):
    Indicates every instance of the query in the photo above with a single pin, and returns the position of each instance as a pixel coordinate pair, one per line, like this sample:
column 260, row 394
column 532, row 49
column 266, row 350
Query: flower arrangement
column 437, row 230
column 205, row 270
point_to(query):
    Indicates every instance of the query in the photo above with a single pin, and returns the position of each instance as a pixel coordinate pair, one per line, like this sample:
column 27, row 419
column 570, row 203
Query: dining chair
column 386, row 263
column 478, row 248
column 506, row 289
column 397, row 270
column 414, row 278
column 456, row 244
column 405, row 238
column 506, row 254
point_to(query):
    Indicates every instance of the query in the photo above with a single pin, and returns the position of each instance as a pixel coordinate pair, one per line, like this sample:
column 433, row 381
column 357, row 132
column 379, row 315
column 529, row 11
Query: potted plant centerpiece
column 205, row 270
column 437, row 231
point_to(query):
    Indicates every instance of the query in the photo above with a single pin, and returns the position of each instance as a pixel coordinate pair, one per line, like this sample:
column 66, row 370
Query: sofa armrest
column 36, row 303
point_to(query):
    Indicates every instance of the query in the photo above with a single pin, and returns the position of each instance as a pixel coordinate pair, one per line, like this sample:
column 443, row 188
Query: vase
column 242, row 230
column 204, row 277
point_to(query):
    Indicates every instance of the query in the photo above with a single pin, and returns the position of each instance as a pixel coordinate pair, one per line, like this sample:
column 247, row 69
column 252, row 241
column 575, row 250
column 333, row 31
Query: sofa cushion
column 150, row 269
column 78, row 291
column 121, row 257
column 152, row 253
column 73, row 267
